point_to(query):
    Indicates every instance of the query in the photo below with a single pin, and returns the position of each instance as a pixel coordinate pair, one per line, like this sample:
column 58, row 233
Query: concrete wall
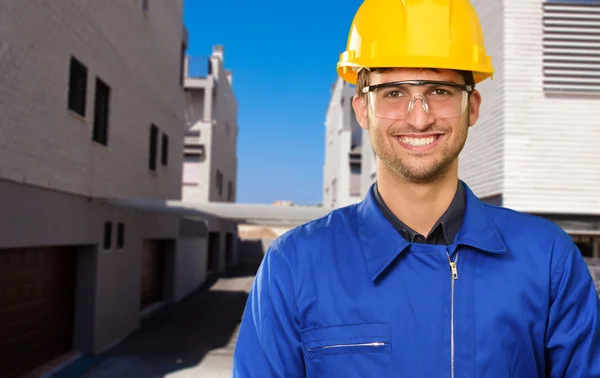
column 108, row 292
column 197, row 169
column 190, row 265
column 137, row 53
column 223, row 227
column 224, row 136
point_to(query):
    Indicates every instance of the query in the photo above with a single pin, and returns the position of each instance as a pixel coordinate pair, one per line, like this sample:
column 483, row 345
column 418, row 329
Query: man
column 420, row 279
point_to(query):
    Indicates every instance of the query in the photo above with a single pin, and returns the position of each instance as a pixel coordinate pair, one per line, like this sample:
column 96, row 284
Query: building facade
column 343, row 149
column 210, row 157
column 92, row 109
column 534, row 149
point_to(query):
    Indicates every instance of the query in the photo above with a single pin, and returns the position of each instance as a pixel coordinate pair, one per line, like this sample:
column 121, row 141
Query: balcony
column 198, row 67
column 196, row 151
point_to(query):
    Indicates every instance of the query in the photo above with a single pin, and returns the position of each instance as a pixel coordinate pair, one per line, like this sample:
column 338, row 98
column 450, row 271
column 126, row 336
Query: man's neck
column 417, row 205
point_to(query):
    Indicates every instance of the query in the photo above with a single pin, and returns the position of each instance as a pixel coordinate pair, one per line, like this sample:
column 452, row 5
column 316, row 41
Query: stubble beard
column 423, row 172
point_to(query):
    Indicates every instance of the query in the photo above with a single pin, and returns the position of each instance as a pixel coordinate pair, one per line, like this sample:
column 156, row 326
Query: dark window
column 101, row 109
column 77, row 87
column 146, row 5
column 220, row 182
column 229, row 191
column 164, row 153
column 120, row 235
column 152, row 153
column 182, row 65
column 107, row 235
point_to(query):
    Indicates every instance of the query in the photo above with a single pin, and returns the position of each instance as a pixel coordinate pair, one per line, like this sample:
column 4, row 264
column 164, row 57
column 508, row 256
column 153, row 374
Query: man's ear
column 474, row 105
column 361, row 110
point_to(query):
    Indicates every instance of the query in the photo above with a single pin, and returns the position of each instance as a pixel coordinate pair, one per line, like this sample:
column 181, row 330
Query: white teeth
column 417, row 141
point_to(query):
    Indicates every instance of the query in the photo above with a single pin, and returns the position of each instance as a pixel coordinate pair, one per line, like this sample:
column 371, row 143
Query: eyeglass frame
column 465, row 88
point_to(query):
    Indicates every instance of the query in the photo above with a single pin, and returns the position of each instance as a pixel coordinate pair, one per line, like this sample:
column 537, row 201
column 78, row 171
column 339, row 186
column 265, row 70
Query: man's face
column 404, row 146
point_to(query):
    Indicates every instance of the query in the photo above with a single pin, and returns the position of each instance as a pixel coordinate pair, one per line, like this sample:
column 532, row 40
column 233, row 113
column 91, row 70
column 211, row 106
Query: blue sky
column 283, row 57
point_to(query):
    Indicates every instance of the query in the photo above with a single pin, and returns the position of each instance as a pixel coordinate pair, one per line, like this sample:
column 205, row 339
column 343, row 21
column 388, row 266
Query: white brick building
column 92, row 107
column 210, row 162
column 343, row 149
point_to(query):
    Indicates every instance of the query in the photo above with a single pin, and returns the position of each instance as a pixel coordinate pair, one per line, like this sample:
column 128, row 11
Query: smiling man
column 420, row 279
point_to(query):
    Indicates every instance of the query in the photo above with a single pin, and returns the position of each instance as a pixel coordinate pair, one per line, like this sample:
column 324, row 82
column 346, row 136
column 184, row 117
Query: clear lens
column 396, row 102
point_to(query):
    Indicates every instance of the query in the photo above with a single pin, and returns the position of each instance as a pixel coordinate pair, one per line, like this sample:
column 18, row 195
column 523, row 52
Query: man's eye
column 441, row 92
column 393, row 94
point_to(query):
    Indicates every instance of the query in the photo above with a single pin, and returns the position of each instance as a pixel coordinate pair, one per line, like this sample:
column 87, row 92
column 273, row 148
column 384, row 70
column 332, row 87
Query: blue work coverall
column 347, row 296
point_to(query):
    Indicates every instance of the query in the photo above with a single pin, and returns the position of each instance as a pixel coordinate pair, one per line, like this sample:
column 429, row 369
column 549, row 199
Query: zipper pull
column 454, row 269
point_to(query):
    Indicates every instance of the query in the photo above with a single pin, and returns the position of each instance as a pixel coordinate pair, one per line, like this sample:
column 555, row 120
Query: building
column 210, row 165
column 343, row 149
column 210, row 150
column 534, row 148
column 92, row 110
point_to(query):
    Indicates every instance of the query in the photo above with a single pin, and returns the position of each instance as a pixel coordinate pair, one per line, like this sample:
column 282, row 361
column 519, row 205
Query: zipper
column 348, row 345
column 453, row 277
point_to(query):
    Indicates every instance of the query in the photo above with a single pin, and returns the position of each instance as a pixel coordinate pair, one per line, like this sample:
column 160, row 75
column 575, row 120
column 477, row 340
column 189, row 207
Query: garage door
column 153, row 258
column 37, row 295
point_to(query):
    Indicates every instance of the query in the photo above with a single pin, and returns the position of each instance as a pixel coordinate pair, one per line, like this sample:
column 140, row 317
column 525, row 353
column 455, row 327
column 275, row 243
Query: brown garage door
column 37, row 295
column 153, row 258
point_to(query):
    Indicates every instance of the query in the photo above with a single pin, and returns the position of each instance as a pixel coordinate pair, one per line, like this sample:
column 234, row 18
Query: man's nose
column 419, row 115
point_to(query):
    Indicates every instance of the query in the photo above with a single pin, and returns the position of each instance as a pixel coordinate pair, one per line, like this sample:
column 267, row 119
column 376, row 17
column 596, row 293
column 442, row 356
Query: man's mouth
column 419, row 142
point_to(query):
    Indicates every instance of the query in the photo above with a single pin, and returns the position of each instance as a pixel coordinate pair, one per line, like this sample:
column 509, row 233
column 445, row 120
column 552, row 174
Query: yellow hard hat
column 415, row 33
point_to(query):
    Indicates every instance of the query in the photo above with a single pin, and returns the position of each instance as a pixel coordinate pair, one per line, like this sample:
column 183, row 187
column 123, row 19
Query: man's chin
column 419, row 173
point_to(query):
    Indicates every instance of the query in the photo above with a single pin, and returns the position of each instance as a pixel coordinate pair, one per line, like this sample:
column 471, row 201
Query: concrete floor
column 195, row 338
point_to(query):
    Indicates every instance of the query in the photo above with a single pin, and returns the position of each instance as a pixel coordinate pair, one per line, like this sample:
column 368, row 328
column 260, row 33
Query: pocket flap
column 377, row 332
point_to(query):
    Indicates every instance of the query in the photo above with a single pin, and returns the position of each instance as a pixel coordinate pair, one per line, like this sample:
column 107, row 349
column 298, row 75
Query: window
column 571, row 47
column 152, row 152
column 145, row 5
column 101, row 109
column 77, row 87
column 107, row 235
column 164, row 153
column 220, row 182
column 182, row 65
column 229, row 191
column 120, row 235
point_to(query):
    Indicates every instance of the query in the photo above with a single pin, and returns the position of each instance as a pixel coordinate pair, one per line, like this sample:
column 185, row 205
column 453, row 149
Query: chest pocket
column 349, row 350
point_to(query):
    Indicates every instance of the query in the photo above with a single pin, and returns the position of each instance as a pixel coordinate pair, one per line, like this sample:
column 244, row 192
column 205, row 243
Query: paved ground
column 186, row 340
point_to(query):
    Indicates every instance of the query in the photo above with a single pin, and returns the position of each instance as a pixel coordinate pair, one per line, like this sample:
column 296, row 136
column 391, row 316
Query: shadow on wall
column 252, row 251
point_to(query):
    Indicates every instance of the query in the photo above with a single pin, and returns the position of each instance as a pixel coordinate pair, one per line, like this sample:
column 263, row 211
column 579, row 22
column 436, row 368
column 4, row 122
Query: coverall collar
column 381, row 243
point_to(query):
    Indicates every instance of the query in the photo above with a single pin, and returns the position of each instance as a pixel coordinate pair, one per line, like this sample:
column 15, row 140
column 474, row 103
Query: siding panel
column 551, row 140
